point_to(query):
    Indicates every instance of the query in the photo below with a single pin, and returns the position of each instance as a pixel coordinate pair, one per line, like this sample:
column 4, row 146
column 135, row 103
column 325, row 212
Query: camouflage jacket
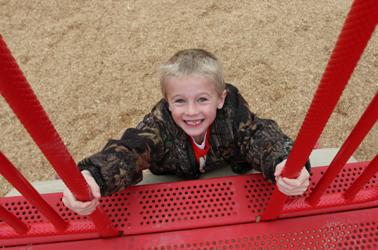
column 238, row 139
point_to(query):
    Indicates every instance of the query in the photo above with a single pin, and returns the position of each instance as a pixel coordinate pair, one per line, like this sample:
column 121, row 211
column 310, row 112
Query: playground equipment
column 340, row 209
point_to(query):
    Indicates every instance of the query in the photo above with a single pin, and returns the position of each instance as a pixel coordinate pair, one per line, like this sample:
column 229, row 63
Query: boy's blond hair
column 193, row 61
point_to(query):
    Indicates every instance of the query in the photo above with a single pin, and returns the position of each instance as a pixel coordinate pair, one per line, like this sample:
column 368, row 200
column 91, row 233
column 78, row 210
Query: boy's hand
column 292, row 186
column 79, row 207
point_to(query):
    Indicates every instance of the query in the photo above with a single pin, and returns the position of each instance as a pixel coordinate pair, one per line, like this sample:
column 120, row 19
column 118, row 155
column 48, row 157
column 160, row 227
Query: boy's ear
column 222, row 98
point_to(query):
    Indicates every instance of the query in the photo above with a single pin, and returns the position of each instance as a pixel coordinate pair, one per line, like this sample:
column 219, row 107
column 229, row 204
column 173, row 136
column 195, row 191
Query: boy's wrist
column 86, row 172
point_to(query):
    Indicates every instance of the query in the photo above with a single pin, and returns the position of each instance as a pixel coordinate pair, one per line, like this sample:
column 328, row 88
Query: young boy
column 200, row 125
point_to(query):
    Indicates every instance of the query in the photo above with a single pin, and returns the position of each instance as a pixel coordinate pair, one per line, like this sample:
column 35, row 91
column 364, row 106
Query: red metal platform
column 227, row 205
column 346, row 230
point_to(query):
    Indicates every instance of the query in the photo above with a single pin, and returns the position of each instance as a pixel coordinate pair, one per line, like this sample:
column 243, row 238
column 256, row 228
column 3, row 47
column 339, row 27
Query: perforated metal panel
column 187, row 203
column 344, row 231
column 24, row 211
column 184, row 205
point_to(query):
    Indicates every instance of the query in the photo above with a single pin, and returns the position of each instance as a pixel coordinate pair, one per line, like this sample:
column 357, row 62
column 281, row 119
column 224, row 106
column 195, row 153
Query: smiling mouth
column 194, row 122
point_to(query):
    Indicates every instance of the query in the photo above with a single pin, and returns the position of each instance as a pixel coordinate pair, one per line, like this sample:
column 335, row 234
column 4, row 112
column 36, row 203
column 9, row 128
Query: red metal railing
column 358, row 28
column 358, row 133
column 21, row 98
column 13, row 221
column 369, row 172
column 356, row 32
column 21, row 184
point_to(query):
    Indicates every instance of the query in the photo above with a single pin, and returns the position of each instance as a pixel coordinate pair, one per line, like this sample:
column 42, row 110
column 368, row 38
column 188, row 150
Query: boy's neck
column 201, row 138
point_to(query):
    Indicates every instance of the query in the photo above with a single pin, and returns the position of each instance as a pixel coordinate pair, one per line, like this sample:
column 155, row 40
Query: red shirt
column 201, row 153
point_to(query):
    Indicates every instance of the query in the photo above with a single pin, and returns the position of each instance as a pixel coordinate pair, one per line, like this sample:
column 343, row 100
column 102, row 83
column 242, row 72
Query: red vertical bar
column 357, row 30
column 358, row 133
column 13, row 221
column 21, row 98
column 368, row 173
column 21, row 184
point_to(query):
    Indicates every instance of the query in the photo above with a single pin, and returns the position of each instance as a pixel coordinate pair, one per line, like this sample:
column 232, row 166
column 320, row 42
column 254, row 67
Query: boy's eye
column 202, row 99
column 179, row 101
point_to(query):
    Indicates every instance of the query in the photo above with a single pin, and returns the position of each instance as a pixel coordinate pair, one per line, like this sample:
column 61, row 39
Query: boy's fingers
column 67, row 193
column 283, row 186
column 82, row 208
column 68, row 198
column 291, row 192
column 87, row 207
column 95, row 189
column 290, row 187
column 279, row 168
column 73, row 203
column 291, row 182
column 304, row 175
column 302, row 178
column 306, row 184
column 295, row 183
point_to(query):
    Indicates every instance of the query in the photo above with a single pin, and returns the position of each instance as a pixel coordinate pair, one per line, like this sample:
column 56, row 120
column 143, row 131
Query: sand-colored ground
column 94, row 65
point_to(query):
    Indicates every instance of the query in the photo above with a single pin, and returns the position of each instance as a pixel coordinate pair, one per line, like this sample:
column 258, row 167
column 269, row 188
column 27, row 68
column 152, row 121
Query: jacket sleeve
column 260, row 141
column 120, row 163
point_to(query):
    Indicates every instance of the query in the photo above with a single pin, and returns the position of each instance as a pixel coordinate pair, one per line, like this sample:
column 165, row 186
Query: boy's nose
column 192, row 109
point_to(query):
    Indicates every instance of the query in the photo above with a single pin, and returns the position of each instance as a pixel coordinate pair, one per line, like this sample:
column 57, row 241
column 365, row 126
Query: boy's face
column 193, row 101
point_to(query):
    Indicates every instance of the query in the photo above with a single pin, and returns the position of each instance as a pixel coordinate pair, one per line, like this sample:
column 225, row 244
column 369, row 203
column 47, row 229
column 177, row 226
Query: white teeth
column 193, row 123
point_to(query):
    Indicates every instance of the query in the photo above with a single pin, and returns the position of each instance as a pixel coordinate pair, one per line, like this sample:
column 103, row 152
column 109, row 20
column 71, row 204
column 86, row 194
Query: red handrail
column 18, row 94
column 357, row 30
column 358, row 133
